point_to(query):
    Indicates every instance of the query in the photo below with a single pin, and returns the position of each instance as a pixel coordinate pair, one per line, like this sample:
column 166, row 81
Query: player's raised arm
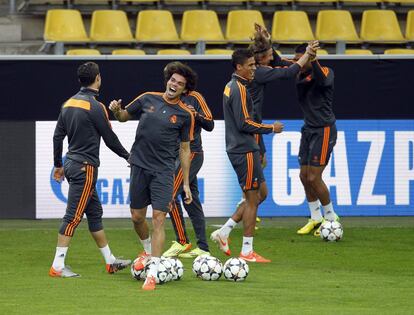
column 120, row 114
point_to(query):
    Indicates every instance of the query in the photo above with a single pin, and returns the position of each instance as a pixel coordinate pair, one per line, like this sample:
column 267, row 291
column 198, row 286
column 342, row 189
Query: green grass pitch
column 371, row 271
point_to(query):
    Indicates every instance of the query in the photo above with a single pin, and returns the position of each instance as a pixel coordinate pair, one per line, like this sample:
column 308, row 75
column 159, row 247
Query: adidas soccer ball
column 235, row 269
column 138, row 274
column 177, row 268
column 197, row 264
column 211, row 268
column 331, row 231
column 164, row 273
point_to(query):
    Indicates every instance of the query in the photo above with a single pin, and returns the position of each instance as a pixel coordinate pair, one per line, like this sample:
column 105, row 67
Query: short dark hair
column 182, row 69
column 240, row 56
column 87, row 73
column 301, row 49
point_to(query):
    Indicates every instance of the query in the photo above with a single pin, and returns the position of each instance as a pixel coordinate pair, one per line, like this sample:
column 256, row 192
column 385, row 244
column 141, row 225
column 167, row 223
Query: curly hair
column 182, row 69
column 260, row 45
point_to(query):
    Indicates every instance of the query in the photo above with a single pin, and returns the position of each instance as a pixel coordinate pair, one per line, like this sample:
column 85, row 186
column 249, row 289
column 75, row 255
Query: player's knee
column 95, row 224
column 313, row 179
column 303, row 178
column 137, row 217
column 158, row 219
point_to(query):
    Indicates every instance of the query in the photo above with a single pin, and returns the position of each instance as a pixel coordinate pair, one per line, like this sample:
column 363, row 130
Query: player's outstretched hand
column 188, row 196
column 278, row 127
column 58, row 174
column 115, row 106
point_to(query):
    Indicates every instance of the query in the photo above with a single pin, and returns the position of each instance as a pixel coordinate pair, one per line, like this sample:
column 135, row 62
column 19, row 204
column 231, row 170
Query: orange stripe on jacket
column 242, row 89
column 82, row 202
column 203, row 104
column 78, row 104
column 139, row 96
column 182, row 105
column 325, row 145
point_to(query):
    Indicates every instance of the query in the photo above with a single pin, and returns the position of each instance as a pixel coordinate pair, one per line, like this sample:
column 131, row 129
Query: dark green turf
column 371, row 271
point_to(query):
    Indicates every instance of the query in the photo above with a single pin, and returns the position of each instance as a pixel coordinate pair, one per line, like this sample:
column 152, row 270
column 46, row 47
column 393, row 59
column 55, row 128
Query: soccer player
column 164, row 120
column 315, row 88
column 203, row 120
column 84, row 120
column 243, row 152
column 270, row 67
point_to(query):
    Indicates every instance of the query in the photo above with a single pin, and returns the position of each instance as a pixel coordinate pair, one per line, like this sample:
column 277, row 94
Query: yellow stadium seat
column 110, row 26
column 64, row 25
column 240, row 24
column 132, row 52
column 156, row 25
column 291, row 27
column 399, row 51
column 316, row 1
column 201, row 25
column 335, row 25
column 409, row 28
column 173, row 52
column 322, row 52
column 83, row 52
column 273, row 1
column 358, row 52
column 362, row 1
column 380, row 26
column 219, row 51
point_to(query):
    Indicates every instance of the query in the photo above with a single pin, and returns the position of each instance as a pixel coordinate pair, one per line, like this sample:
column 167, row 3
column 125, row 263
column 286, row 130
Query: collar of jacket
column 242, row 80
column 90, row 91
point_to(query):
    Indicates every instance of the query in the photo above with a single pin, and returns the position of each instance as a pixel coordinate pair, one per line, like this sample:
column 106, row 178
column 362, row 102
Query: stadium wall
column 371, row 172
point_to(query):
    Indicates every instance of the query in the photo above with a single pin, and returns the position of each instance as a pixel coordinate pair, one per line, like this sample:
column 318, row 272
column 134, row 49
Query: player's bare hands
column 58, row 174
column 188, row 196
column 115, row 106
column 312, row 48
column 278, row 127
column 264, row 161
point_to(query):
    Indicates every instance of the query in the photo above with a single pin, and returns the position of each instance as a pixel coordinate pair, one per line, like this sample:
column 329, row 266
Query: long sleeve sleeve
column 204, row 117
column 266, row 74
column 241, row 115
column 323, row 75
column 58, row 136
column 103, row 125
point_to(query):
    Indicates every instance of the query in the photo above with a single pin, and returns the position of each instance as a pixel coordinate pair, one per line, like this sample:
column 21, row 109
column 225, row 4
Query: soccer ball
column 235, row 269
column 138, row 274
column 164, row 273
column 177, row 270
column 331, row 231
column 197, row 264
column 210, row 268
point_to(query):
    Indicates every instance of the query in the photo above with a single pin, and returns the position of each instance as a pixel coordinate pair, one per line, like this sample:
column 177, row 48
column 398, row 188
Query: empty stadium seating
column 240, row 24
column 218, row 51
column 131, row 52
column 399, row 51
column 409, row 28
column 291, row 27
column 110, row 26
column 380, row 26
column 173, row 52
column 201, row 25
column 156, row 25
column 64, row 25
column 83, row 52
column 335, row 25
column 358, row 52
